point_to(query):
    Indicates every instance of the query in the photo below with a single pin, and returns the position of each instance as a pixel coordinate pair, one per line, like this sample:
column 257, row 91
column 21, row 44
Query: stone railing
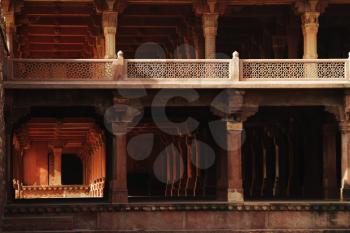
column 294, row 69
column 60, row 69
column 195, row 71
column 58, row 191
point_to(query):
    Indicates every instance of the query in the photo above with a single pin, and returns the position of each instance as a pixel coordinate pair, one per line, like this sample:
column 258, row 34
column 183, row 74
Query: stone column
column 210, row 27
column 330, row 161
column 119, row 190
column 57, row 154
column 10, row 30
column 234, row 161
column 109, row 23
column 310, row 30
column 345, row 160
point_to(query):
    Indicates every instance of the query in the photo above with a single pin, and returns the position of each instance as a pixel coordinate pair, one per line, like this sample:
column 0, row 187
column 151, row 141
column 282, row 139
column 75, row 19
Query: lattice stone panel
column 28, row 70
column 293, row 70
column 178, row 70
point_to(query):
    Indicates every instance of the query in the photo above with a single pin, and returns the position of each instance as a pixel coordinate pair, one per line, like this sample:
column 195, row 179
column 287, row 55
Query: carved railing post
column 235, row 67
column 347, row 68
column 119, row 68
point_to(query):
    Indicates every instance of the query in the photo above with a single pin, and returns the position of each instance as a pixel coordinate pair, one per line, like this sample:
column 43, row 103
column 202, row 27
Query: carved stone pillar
column 57, row 158
column 330, row 161
column 345, row 160
column 2, row 142
column 109, row 23
column 119, row 189
column 210, row 27
column 234, row 161
column 310, row 30
column 10, row 30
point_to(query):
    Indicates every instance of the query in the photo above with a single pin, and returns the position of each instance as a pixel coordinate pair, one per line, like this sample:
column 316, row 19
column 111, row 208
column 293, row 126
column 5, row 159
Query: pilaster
column 210, row 27
column 109, row 23
column 310, row 29
column 345, row 160
column 123, row 116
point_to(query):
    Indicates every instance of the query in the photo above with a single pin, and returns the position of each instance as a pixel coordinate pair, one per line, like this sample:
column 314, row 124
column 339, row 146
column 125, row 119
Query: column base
column 345, row 194
column 234, row 195
column 118, row 195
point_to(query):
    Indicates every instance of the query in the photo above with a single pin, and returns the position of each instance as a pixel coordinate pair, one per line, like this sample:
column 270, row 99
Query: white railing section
column 193, row 70
column 178, row 69
column 293, row 69
column 61, row 69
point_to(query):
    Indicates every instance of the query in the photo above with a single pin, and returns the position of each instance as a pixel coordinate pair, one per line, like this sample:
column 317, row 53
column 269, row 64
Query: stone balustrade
column 198, row 72
column 95, row 189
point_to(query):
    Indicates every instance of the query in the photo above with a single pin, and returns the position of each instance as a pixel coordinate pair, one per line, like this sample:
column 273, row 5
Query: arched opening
column 58, row 158
column 72, row 169
column 291, row 153
column 167, row 161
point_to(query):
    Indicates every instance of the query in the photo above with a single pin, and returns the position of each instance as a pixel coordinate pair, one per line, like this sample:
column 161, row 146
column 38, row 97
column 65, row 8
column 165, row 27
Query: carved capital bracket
column 209, row 6
column 233, row 108
column 122, row 114
column 303, row 6
column 109, row 21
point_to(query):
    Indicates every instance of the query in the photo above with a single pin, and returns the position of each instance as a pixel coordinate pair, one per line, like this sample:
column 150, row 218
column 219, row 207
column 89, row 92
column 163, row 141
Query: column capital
column 344, row 127
column 210, row 24
column 302, row 6
column 234, row 125
column 109, row 19
column 310, row 19
column 120, row 128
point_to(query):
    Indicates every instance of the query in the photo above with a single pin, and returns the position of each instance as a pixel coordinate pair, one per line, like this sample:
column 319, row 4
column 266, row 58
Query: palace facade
column 175, row 116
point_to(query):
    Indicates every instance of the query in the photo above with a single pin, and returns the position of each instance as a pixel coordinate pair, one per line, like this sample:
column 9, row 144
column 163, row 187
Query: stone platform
column 179, row 217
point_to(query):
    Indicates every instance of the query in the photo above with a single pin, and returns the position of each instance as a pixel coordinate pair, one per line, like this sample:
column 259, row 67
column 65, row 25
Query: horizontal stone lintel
column 175, row 85
column 19, row 209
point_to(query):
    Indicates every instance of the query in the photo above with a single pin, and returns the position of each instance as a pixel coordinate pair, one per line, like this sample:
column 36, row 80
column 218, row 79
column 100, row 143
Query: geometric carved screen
column 59, row 70
column 296, row 70
column 178, row 69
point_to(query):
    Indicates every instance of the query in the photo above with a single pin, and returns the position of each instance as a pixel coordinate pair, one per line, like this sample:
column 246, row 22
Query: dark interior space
column 283, row 153
column 72, row 170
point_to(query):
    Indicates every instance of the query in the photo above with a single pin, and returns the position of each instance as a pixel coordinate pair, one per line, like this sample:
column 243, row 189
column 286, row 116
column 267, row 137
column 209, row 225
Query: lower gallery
column 175, row 160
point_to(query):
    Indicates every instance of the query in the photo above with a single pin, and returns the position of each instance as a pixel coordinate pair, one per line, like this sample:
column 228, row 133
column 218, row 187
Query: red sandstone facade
column 140, row 115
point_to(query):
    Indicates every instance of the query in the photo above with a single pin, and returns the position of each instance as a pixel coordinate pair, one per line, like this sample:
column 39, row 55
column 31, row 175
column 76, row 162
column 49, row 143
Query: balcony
column 179, row 73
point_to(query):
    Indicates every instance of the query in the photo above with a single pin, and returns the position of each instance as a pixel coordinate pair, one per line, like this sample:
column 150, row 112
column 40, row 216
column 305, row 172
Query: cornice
column 25, row 209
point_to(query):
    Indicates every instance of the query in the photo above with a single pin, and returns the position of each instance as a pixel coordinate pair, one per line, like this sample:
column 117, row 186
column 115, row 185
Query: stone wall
column 2, row 123
column 191, row 217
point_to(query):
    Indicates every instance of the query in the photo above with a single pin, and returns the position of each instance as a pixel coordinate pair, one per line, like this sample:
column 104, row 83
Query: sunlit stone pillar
column 119, row 190
column 310, row 30
column 109, row 23
column 345, row 160
column 10, row 30
column 234, row 161
column 210, row 27
column 57, row 153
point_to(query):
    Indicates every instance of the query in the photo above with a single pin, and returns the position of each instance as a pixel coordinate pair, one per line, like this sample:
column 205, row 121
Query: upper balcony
column 178, row 73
